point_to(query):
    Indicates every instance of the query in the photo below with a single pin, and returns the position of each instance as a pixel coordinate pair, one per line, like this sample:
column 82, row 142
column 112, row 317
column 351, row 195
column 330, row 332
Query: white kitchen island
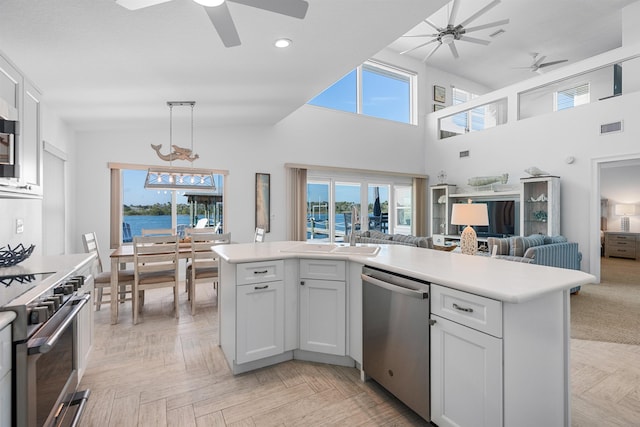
column 507, row 364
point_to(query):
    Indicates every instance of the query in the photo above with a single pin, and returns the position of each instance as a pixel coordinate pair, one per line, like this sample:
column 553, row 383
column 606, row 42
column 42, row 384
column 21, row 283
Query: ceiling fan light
column 447, row 38
column 282, row 43
column 209, row 3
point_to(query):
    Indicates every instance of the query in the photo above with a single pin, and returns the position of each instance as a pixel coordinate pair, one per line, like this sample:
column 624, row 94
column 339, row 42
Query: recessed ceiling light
column 283, row 43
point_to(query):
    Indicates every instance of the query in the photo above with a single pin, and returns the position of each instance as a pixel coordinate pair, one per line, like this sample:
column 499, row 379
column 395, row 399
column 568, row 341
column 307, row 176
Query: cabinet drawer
column 625, row 252
column 621, row 237
column 258, row 272
column 322, row 269
column 480, row 313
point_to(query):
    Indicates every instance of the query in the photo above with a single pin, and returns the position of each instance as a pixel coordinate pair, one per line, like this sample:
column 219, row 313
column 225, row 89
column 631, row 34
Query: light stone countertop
column 503, row 280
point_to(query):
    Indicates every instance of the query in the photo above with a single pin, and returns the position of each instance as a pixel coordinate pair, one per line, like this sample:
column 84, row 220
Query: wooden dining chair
column 203, row 266
column 158, row 231
column 102, row 279
column 155, row 262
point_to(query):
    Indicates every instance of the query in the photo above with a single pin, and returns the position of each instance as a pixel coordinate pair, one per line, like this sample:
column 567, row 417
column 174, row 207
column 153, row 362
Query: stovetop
column 12, row 286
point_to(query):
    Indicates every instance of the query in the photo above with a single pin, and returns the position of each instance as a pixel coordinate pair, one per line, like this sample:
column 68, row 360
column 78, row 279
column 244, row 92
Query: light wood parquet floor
column 171, row 372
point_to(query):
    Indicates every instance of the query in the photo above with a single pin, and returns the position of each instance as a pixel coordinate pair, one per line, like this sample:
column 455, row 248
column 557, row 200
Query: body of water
column 138, row 222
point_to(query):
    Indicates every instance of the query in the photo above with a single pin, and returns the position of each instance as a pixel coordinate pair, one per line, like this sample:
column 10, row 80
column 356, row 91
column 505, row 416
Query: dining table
column 124, row 254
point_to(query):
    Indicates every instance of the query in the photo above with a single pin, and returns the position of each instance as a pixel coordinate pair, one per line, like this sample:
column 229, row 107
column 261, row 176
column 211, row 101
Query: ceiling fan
column 450, row 33
column 220, row 16
column 538, row 63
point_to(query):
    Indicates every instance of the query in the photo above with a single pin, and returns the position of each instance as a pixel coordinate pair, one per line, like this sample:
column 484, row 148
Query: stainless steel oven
column 44, row 354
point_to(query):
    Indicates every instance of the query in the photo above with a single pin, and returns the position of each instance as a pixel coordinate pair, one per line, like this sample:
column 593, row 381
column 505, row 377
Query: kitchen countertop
column 508, row 281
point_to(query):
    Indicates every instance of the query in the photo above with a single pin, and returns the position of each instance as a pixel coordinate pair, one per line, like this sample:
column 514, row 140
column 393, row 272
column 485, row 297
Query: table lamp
column 624, row 211
column 469, row 214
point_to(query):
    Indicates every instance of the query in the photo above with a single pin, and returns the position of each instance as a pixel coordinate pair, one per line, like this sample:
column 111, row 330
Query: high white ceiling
column 558, row 29
column 98, row 63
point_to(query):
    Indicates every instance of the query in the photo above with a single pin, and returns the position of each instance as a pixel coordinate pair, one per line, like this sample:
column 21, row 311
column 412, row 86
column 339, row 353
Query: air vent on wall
column 611, row 127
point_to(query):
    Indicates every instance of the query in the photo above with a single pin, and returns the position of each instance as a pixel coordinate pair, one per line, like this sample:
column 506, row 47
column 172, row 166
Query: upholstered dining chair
column 203, row 266
column 102, row 279
column 155, row 262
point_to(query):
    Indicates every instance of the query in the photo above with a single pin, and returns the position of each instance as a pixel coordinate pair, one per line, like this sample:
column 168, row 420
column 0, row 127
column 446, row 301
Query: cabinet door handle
column 257, row 288
column 261, row 272
column 302, row 283
column 465, row 309
column 432, row 322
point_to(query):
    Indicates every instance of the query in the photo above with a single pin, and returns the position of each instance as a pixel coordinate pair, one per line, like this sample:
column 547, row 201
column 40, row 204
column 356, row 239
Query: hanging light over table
column 179, row 178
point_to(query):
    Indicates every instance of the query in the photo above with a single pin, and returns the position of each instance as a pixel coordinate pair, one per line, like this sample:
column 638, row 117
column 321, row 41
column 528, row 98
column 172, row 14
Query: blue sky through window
column 341, row 95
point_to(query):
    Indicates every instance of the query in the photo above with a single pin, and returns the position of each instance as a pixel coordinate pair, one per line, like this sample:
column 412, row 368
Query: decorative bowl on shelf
column 9, row 256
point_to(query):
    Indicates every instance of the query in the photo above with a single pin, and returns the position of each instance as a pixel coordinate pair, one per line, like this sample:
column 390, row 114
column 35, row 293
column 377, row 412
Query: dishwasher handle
column 394, row 288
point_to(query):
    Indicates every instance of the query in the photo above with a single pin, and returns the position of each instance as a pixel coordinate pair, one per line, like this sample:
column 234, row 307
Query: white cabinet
column 466, row 376
column 499, row 364
column 31, row 140
column 440, row 210
column 323, row 306
column 260, row 320
column 540, row 206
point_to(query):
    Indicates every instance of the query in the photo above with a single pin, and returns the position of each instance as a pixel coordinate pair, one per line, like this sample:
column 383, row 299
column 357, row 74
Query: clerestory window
column 373, row 89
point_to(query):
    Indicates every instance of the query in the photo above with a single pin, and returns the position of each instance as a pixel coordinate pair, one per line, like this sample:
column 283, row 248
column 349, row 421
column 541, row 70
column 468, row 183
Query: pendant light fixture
column 178, row 178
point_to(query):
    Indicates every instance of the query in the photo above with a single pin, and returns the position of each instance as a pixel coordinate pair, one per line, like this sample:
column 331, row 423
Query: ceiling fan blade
column 474, row 40
column 480, row 12
column 484, row 26
column 418, row 47
column 293, row 8
column 432, row 25
column 423, row 35
column 223, row 23
column 454, row 51
column 432, row 52
column 547, row 64
column 139, row 4
column 454, row 11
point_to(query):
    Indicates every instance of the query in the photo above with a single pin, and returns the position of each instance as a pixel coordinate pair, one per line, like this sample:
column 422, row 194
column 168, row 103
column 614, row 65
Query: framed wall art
column 439, row 94
column 263, row 201
column 437, row 107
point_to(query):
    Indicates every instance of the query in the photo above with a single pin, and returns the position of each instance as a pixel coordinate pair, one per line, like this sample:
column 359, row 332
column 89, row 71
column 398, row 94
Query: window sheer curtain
column 420, row 206
column 297, row 229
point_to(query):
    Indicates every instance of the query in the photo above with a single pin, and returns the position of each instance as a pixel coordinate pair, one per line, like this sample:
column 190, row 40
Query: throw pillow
column 502, row 244
column 519, row 245
column 554, row 239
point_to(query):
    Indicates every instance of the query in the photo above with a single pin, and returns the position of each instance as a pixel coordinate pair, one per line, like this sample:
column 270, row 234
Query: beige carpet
column 609, row 311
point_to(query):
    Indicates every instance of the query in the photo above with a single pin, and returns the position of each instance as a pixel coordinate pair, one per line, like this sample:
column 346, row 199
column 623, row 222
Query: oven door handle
column 394, row 288
column 53, row 339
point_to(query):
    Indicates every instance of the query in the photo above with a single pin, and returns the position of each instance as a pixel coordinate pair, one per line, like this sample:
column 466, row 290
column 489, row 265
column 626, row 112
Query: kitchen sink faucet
column 355, row 220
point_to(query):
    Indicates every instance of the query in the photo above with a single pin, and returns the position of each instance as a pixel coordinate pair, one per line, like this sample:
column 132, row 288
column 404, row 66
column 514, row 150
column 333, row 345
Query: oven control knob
column 68, row 289
column 50, row 305
column 58, row 290
column 79, row 279
column 38, row 315
column 55, row 300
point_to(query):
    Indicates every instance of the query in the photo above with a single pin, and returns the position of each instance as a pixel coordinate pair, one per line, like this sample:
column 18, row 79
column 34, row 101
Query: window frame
column 385, row 68
column 572, row 87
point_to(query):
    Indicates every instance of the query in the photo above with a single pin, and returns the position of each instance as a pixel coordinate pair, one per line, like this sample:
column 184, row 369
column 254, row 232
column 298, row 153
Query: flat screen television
column 503, row 219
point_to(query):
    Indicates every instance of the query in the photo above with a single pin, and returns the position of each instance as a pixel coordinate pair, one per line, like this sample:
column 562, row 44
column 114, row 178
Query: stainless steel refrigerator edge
column 396, row 336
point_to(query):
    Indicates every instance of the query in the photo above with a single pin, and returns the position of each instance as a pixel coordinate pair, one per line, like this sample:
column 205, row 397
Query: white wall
column 311, row 135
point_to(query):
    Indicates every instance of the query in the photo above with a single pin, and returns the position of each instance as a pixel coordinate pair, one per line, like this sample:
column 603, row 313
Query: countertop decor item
column 534, row 171
column 477, row 181
column 9, row 257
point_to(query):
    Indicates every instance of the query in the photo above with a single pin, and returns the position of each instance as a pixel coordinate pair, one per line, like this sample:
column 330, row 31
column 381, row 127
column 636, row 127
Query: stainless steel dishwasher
column 395, row 322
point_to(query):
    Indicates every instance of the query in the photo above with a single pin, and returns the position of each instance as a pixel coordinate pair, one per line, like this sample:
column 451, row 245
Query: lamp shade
column 624, row 209
column 469, row 214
